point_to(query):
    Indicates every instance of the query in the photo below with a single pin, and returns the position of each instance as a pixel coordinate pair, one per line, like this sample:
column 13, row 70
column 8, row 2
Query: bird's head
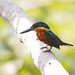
column 39, row 26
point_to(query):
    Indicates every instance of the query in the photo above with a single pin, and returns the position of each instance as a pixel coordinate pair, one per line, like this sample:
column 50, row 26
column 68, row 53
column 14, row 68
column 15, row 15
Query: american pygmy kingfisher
column 45, row 35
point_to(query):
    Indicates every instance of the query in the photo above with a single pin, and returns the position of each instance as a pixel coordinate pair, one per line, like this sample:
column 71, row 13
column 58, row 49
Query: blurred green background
column 59, row 15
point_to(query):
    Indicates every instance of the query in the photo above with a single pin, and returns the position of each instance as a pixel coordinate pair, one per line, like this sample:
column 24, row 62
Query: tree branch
column 46, row 62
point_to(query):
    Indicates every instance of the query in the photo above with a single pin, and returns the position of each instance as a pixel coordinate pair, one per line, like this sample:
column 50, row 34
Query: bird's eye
column 32, row 26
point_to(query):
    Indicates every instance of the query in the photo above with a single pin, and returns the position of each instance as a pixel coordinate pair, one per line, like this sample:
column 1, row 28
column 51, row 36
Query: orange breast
column 41, row 36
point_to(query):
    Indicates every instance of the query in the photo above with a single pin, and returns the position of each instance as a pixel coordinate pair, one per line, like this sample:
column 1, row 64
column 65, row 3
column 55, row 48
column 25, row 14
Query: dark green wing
column 52, row 39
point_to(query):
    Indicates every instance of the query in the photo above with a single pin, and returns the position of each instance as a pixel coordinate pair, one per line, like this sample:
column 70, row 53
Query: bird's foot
column 48, row 50
column 44, row 47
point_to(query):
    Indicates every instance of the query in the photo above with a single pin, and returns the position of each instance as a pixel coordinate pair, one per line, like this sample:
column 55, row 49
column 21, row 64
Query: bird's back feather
column 54, row 40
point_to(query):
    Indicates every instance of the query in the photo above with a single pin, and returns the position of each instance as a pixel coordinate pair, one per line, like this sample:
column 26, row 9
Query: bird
column 46, row 36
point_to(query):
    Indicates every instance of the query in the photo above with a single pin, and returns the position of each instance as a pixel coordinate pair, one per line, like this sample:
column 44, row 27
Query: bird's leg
column 44, row 47
column 48, row 50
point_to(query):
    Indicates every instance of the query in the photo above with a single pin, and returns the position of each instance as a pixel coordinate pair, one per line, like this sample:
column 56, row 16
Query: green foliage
column 61, row 19
column 28, row 68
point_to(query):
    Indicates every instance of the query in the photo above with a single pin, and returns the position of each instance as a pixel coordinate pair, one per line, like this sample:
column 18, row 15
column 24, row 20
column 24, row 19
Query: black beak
column 30, row 29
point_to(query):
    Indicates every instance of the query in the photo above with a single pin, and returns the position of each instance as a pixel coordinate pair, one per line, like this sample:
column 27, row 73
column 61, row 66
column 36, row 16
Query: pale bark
column 46, row 62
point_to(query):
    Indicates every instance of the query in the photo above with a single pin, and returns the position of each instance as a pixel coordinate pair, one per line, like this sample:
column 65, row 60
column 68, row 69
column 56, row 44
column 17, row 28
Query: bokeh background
column 59, row 15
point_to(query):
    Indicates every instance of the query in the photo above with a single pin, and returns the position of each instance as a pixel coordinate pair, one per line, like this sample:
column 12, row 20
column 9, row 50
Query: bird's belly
column 41, row 36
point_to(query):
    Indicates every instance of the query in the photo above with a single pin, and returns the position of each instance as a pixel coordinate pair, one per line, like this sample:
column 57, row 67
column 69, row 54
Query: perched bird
column 45, row 35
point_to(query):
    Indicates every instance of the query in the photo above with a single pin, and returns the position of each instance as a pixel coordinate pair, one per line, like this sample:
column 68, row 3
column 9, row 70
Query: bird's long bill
column 30, row 29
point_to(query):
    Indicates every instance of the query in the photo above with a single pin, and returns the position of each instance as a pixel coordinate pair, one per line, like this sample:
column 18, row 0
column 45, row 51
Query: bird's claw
column 44, row 47
column 49, row 50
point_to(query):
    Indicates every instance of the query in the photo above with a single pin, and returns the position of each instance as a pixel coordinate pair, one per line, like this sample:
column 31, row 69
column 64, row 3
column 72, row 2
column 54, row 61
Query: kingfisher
column 46, row 36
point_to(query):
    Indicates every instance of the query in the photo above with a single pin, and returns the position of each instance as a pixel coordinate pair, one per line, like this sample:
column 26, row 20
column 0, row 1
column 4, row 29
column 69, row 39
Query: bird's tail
column 66, row 44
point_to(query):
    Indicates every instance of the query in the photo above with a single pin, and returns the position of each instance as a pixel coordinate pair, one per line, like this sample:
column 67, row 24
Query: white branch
column 46, row 62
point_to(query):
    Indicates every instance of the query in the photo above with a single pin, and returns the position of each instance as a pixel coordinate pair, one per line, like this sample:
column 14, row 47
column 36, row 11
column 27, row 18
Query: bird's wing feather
column 52, row 38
